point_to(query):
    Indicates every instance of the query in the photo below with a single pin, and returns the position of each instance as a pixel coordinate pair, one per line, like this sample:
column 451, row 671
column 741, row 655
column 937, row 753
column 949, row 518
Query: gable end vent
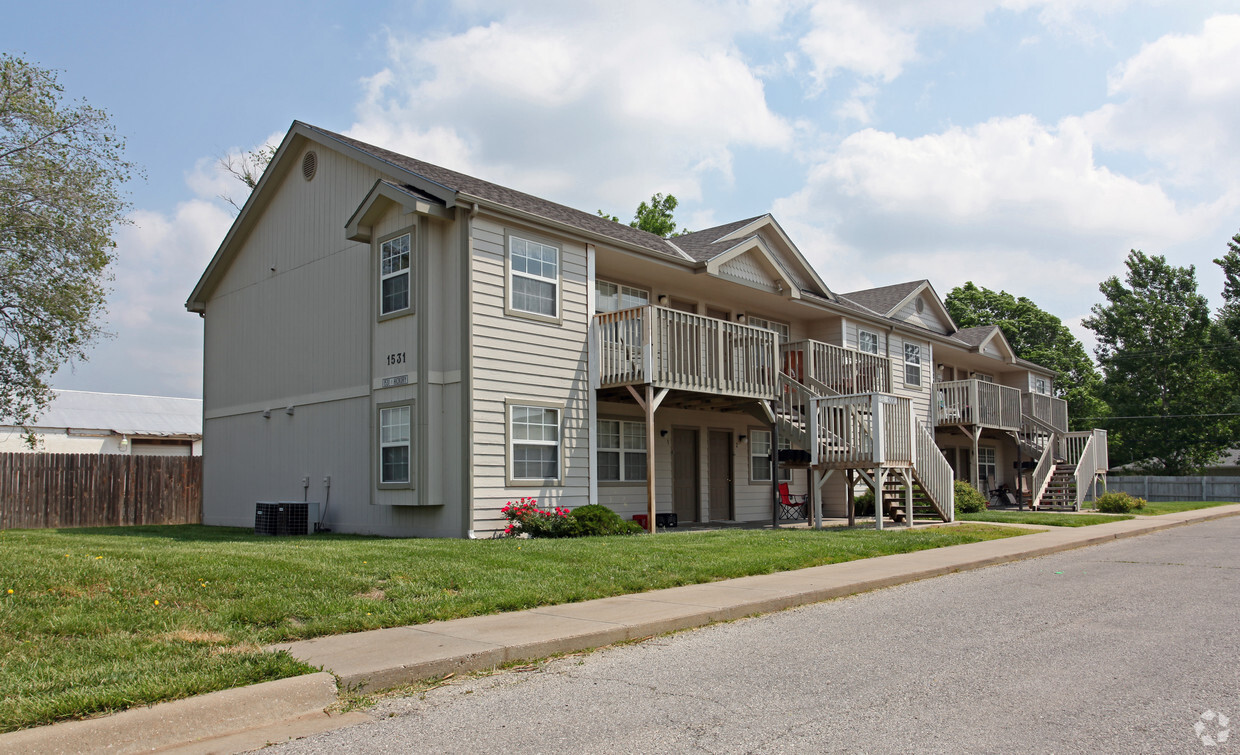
column 309, row 165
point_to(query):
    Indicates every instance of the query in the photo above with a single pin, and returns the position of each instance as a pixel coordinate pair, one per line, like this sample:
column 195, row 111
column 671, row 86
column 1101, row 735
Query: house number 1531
column 397, row 358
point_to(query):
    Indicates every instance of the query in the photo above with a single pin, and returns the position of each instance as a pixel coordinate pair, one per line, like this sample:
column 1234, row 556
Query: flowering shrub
column 525, row 517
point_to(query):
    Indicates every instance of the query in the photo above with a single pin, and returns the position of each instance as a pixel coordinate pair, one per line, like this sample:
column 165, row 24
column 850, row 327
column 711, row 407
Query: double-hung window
column 610, row 297
column 987, row 468
column 760, row 456
column 912, row 364
column 778, row 327
column 394, row 274
column 621, row 450
column 394, row 445
column 534, row 270
column 867, row 342
column 1040, row 386
column 534, row 435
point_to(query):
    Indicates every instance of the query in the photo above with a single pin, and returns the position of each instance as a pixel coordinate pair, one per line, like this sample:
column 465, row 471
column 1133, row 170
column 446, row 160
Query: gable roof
column 709, row 243
column 123, row 413
column 459, row 183
column 977, row 336
column 886, row 299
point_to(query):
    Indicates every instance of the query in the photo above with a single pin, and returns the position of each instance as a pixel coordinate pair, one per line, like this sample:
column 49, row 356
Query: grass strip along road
column 98, row 620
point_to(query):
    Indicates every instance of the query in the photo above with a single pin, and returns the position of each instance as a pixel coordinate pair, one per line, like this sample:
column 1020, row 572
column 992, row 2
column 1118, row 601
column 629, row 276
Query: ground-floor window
column 534, row 443
column 621, row 450
column 986, row 467
column 394, row 444
column 759, row 456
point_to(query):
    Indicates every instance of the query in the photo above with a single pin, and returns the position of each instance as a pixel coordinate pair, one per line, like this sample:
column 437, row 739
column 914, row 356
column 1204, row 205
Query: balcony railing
column 844, row 371
column 977, row 402
column 672, row 349
column 1053, row 411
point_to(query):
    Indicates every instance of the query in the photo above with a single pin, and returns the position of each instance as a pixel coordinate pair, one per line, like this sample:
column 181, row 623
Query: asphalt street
column 1127, row 647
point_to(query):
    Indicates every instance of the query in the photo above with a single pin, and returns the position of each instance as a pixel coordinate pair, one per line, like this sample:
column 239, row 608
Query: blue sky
column 1026, row 145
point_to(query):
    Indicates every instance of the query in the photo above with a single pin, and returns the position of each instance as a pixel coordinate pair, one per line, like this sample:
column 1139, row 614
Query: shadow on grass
column 201, row 533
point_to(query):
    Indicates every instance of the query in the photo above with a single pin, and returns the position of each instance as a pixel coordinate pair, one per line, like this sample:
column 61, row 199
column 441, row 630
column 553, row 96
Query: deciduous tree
column 1160, row 375
column 654, row 216
column 62, row 167
column 1038, row 336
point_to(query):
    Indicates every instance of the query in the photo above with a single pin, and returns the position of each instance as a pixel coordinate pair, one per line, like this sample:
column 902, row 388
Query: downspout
column 467, row 372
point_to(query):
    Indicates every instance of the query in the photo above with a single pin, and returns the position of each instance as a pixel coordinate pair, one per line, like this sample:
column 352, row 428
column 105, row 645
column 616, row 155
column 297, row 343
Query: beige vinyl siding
column 751, row 500
column 919, row 394
column 852, row 338
column 515, row 359
column 928, row 318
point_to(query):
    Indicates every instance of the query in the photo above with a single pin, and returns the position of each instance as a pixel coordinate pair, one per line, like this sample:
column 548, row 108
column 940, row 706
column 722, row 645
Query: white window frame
column 405, row 272
column 623, row 451
column 861, row 339
column 764, row 468
column 386, row 441
column 912, row 361
column 511, row 275
column 640, row 295
column 782, row 328
column 512, row 442
column 1042, row 385
column 987, row 460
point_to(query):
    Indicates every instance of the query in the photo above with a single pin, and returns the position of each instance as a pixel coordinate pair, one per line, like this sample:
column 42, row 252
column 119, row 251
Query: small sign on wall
column 395, row 380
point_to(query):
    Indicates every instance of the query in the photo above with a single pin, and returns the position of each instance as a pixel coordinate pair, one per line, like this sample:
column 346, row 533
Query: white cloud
column 1180, row 105
column 589, row 105
column 1010, row 203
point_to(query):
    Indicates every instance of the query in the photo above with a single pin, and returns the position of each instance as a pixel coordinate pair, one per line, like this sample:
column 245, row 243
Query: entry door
column 685, row 474
column 720, row 462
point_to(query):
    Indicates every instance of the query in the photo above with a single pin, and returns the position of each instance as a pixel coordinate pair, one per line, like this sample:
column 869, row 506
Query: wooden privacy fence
column 93, row 490
column 1158, row 488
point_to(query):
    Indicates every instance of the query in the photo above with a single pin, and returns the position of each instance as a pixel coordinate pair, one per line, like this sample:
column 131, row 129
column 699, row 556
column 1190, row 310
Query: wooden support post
column 775, row 475
column 815, row 496
column 908, row 498
column 851, row 499
column 650, row 514
column 880, row 481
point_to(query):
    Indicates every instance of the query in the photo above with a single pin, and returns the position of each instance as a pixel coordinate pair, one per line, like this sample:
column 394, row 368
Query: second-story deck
column 977, row 402
column 667, row 348
column 1047, row 409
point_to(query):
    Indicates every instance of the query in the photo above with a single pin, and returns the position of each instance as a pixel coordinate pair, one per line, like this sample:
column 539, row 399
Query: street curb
column 489, row 655
column 189, row 725
column 247, row 718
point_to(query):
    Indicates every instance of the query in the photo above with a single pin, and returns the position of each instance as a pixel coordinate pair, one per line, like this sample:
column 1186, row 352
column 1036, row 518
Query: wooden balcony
column 839, row 370
column 977, row 402
column 685, row 352
column 1048, row 409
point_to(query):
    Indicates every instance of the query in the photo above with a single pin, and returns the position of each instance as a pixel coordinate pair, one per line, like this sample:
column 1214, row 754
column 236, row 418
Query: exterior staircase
column 847, row 431
column 894, row 502
column 1061, row 489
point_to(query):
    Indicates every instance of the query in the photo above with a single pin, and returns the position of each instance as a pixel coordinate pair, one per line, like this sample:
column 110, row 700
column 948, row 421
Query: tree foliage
column 61, row 170
column 654, row 216
column 1038, row 336
column 247, row 168
column 1160, row 372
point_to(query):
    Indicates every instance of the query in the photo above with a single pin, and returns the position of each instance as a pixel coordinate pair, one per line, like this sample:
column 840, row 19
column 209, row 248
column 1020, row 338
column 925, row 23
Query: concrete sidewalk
column 247, row 718
column 386, row 658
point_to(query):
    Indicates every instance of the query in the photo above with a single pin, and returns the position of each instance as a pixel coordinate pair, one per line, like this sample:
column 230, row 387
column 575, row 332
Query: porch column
column 649, row 407
column 775, row 475
column 850, row 499
column 908, row 498
column 880, row 481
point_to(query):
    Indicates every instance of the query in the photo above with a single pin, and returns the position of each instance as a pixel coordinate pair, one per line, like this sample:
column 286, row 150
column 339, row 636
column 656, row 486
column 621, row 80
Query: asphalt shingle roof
column 517, row 200
column 704, row 245
column 884, row 299
column 974, row 336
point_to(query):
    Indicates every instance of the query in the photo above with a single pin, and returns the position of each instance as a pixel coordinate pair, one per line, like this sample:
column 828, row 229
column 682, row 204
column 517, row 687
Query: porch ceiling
column 687, row 400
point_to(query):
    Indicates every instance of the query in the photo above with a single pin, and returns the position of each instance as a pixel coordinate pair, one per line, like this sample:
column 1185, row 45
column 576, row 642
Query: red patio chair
column 792, row 506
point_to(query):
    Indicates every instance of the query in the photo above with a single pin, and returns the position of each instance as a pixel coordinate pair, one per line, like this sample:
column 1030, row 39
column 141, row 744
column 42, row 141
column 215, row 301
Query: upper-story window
column 912, row 364
column 535, row 277
column 779, row 327
column 1040, row 385
column 985, row 378
column 609, row 297
column 867, row 342
column 394, row 275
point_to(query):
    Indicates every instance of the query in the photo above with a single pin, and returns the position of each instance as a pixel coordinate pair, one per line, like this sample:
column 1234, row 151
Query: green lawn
column 102, row 619
column 1049, row 518
column 1155, row 509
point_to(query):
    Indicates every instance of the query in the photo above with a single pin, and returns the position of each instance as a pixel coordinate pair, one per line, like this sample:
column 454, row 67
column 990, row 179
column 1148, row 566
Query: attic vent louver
column 309, row 165
column 919, row 305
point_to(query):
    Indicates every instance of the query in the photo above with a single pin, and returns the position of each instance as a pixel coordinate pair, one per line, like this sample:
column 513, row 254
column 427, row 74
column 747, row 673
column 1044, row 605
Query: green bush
column 864, row 504
column 968, row 500
column 1118, row 503
column 594, row 519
